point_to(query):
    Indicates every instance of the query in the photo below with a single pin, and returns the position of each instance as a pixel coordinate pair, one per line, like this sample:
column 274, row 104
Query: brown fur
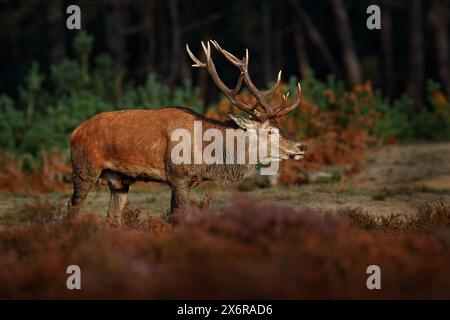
column 126, row 146
column 122, row 147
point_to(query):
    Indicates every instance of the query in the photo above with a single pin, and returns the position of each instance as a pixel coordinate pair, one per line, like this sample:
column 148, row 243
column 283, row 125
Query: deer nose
column 302, row 147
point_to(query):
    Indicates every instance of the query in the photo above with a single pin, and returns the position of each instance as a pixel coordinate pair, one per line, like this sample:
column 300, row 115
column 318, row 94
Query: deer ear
column 242, row 122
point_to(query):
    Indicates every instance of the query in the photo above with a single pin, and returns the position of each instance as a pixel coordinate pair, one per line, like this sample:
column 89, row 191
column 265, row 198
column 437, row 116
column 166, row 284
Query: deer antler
column 242, row 64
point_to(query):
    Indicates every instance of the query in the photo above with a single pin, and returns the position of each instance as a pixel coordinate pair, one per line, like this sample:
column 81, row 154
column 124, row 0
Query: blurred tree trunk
column 163, row 42
column 437, row 21
column 348, row 50
column 278, row 38
column 416, row 65
column 150, row 20
column 300, row 48
column 185, row 71
column 386, row 48
column 267, row 42
column 175, row 41
column 315, row 36
column 116, row 31
column 56, row 18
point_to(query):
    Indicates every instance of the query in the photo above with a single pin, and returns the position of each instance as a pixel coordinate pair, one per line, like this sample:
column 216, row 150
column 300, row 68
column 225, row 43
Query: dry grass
column 240, row 251
column 430, row 218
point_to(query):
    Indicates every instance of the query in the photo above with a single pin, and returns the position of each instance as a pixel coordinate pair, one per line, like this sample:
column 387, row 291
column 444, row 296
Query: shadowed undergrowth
column 243, row 250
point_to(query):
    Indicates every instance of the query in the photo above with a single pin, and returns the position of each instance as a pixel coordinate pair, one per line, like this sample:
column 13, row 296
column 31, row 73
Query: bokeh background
column 373, row 189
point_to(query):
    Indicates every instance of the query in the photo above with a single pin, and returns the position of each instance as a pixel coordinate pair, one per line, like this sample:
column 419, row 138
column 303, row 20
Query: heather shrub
column 243, row 250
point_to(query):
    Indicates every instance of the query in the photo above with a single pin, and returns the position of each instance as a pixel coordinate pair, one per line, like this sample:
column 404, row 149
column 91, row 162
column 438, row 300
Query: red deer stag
column 123, row 147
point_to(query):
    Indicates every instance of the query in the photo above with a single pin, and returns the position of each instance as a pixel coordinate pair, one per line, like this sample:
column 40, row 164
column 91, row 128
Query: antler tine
column 229, row 93
column 230, row 57
column 272, row 90
column 198, row 63
column 280, row 111
column 238, row 84
column 242, row 64
column 279, row 107
column 206, row 50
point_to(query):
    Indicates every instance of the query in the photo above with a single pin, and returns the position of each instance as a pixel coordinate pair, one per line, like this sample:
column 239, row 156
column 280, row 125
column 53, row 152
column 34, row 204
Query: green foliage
column 403, row 122
column 315, row 90
column 395, row 122
column 400, row 119
column 44, row 119
column 188, row 95
column 107, row 78
column 29, row 94
column 82, row 46
column 66, row 77
column 85, row 86
column 149, row 95
column 12, row 125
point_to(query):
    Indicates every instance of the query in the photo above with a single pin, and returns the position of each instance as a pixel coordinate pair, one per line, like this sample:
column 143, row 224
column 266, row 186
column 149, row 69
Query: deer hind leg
column 179, row 197
column 118, row 195
column 82, row 184
column 117, row 202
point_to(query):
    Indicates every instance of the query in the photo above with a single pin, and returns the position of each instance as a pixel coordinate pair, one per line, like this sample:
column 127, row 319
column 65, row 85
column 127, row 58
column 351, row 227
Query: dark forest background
column 325, row 36
column 132, row 54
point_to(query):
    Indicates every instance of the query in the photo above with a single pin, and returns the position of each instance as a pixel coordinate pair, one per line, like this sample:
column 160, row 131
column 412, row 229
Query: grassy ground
column 392, row 180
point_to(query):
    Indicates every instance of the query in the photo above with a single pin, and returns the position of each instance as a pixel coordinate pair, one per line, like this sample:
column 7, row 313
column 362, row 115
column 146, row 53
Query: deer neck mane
column 227, row 172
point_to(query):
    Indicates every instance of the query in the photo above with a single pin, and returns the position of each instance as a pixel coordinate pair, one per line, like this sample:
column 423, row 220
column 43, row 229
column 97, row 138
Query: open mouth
column 296, row 156
column 293, row 156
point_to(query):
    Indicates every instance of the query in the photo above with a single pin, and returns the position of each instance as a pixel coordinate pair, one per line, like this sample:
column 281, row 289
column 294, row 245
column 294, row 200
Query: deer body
column 123, row 147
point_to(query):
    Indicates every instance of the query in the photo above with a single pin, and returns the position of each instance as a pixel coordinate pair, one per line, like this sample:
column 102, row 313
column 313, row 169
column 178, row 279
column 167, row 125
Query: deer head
column 261, row 114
